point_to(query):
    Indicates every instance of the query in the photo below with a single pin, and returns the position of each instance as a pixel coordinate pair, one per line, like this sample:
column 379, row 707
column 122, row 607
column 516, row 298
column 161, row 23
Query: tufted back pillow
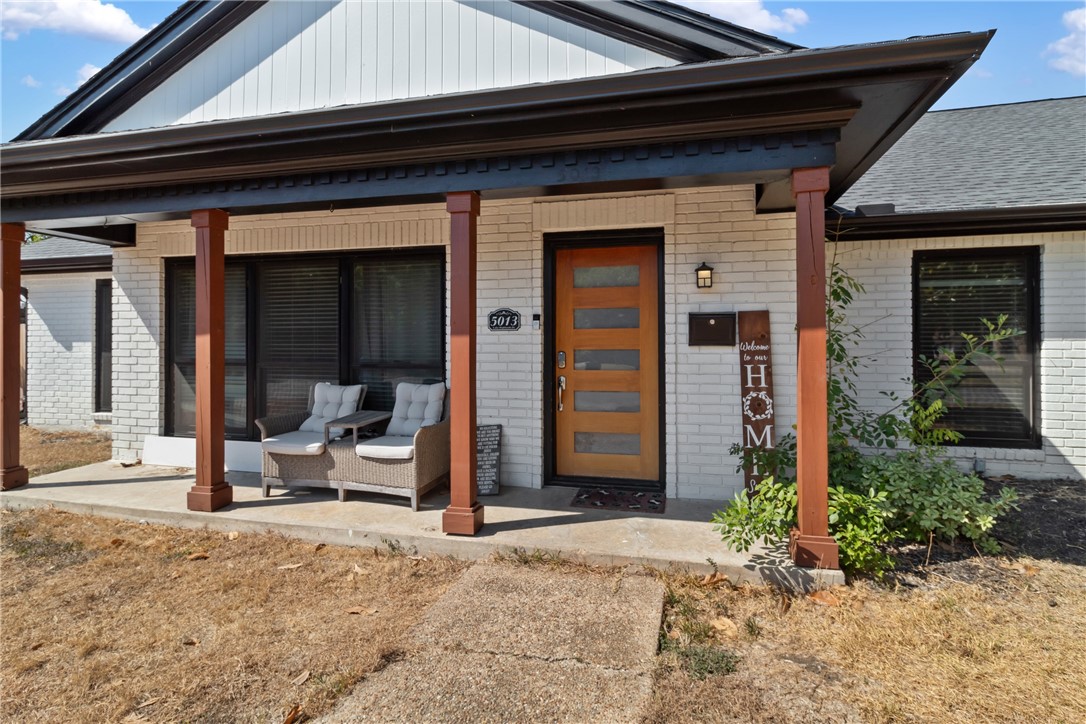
column 332, row 401
column 416, row 406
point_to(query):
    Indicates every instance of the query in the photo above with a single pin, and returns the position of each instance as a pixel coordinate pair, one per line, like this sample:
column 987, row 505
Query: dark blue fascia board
column 753, row 159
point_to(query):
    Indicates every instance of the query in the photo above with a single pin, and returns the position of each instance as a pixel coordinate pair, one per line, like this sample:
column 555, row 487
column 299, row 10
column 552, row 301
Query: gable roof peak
column 671, row 32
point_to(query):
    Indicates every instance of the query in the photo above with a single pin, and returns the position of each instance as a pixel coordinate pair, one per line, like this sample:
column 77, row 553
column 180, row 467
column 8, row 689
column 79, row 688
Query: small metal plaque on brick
column 503, row 320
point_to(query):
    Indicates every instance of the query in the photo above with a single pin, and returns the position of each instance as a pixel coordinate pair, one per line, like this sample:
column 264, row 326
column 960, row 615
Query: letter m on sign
column 755, row 388
column 753, row 438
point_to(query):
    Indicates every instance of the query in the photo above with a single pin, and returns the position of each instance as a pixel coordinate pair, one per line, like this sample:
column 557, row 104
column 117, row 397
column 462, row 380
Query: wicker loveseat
column 341, row 466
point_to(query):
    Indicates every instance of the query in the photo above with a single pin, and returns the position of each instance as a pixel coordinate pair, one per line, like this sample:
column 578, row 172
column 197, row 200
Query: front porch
column 518, row 518
column 792, row 130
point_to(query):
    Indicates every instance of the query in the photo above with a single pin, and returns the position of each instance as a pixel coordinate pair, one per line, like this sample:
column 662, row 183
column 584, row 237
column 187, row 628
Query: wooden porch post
column 811, row 545
column 464, row 516
column 211, row 491
column 12, row 474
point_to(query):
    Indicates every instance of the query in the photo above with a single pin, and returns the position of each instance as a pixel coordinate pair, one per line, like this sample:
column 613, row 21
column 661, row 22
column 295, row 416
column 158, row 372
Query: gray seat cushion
column 332, row 401
column 389, row 447
column 295, row 443
column 416, row 406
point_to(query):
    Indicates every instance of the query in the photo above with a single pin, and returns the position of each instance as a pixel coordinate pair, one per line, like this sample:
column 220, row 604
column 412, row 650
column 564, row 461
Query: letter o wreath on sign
column 767, row 405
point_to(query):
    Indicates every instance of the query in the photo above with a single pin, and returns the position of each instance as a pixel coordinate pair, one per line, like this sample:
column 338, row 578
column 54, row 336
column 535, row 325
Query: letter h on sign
column 760, row 375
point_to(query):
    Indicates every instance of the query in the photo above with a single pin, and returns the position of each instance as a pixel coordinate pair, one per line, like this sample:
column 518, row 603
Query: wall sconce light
column 704, row 276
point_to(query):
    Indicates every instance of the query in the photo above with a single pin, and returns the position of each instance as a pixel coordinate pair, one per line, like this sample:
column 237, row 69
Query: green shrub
column 901, row 491
column 928, row 497
column 857, row 521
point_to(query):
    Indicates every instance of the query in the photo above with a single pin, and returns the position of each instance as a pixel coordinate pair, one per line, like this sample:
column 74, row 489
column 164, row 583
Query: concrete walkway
column 520, row 644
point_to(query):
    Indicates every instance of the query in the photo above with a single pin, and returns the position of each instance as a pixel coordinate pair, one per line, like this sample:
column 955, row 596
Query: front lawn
column 45, row 452
column 116, row 621
column 104, row 620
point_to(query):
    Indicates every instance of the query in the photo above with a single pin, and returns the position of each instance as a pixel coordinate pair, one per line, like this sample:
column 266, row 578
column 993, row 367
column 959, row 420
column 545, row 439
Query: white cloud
column 81, row 76
column 84, row 74
column 1070, row 50
column 751, row 14
column 89, row 18
column 30, row 81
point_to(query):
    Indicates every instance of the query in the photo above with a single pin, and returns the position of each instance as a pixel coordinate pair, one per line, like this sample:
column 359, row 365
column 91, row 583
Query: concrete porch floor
column 518, row 518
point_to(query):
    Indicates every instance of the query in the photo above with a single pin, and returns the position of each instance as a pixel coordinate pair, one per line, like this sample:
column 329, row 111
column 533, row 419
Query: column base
column 209, row 499
column 462, row 521
column 16, row 477
column 813, row 551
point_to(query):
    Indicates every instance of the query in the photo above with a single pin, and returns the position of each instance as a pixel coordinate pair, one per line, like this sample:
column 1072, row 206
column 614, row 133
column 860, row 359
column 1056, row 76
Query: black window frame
column 1032, row 257
column 103, row 344
column 346, row 260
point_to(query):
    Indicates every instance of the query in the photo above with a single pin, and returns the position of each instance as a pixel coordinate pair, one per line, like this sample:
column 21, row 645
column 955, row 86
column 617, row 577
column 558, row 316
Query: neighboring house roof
column 989, row 169
column 54, row 254
column 665, row 30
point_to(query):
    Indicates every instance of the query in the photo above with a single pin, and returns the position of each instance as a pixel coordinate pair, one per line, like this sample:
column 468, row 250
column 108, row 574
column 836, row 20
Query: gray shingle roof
column 1021, row 154
column 53, row 247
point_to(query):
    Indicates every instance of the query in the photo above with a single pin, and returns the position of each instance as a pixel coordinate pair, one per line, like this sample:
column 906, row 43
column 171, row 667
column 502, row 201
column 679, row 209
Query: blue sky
column 49, row 47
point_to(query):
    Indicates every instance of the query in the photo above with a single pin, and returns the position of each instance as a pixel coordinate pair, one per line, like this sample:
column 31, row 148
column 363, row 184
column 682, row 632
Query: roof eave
column 764, row 94
column 53, row 265
column 959, row 222
column 664, row 28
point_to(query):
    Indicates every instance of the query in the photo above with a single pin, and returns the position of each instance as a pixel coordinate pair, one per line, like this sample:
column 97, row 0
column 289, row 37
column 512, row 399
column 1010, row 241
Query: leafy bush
column 908, row 494
column 928, row 497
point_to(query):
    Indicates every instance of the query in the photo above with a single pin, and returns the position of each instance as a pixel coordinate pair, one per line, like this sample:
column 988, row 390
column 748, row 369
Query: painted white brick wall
column 885, row 313
column 60, row 349
column 509, row 364
column 713, row 225
column 138, row 382
column 754, row 263
column 702, row 386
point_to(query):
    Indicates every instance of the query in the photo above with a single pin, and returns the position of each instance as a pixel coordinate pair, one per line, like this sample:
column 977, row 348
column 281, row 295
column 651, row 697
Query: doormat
column 627, row 501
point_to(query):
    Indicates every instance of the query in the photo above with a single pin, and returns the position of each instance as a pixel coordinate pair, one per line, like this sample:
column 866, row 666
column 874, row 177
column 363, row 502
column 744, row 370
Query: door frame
column 552, row 242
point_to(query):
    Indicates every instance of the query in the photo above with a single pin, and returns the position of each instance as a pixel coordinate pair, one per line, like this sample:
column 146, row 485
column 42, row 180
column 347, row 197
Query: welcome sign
column 756, row 388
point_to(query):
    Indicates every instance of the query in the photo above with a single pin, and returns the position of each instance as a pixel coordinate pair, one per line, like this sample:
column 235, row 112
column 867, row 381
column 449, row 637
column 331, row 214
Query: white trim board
column 180, row 452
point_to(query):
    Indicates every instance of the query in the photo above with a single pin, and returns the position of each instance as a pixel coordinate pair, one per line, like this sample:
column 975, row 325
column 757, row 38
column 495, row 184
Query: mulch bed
column 627, row 501
column 1050, row 524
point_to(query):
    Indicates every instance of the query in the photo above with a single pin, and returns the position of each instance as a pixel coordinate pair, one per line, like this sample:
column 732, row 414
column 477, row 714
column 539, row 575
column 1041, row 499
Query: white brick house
column 67, row 359
column 574, row 162
column 1005, row 179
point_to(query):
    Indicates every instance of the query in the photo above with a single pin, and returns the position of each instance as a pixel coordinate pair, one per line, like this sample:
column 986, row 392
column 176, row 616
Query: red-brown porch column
column 211, row 491
column 464, row 516
column 811, row 545
column 12, row 474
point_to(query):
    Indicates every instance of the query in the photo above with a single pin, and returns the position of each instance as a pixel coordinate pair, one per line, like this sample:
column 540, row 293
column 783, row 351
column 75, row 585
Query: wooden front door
column 606, row 366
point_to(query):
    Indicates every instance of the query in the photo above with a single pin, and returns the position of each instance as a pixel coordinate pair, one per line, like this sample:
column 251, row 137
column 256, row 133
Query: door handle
column 561, row 387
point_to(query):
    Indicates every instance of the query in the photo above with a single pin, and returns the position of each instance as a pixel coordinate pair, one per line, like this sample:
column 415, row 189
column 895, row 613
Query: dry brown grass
column 104, row 620
column 47, row 452
column 952, row 652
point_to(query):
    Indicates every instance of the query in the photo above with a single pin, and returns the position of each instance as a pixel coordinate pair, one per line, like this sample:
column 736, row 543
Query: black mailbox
column 712, row 329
